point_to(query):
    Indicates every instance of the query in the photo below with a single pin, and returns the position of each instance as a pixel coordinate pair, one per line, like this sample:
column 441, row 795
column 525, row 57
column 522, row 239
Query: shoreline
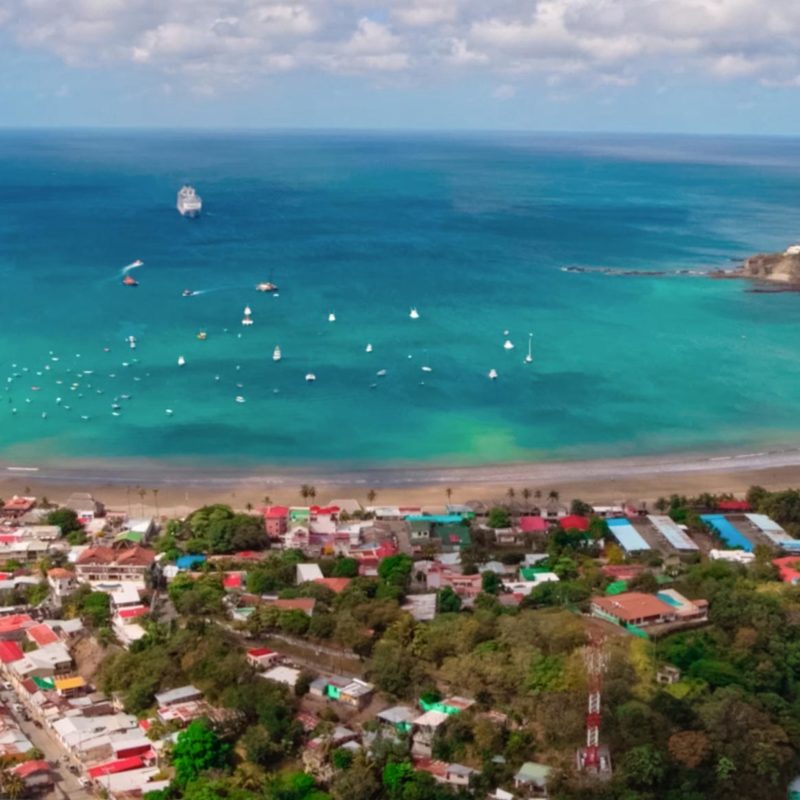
column 179, row 488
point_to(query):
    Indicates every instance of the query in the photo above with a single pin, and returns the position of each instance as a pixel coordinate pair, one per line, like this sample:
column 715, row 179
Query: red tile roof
column 574, row 522
column 324, row 509
column 789, row 568
column 733, row 505
column 275, row 512
column 630, row 606
column 530, row 524
column 334, row 584
column 29, row 768
column 257, row 652
column 19, row 503
column 131, row 556
column 15, row 622
column 10, row 651
column 132, row 613
column 305, row 604
column 114, row 767
column 232, row 580
column 60, row 573
column 42, row 634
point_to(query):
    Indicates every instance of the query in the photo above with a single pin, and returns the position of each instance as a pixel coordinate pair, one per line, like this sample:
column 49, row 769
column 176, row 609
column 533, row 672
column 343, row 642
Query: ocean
column 472, row 230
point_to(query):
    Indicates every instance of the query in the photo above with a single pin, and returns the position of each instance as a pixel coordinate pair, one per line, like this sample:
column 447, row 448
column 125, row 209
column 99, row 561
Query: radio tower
column 595, row 757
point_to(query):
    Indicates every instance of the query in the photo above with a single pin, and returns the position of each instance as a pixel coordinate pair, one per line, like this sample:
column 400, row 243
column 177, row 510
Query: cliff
column 777, row 267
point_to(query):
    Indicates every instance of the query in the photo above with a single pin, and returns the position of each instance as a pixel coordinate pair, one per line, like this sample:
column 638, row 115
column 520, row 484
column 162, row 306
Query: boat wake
column 129, row 267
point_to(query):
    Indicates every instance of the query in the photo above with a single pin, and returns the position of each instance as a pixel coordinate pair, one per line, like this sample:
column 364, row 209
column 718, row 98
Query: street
column 66, row 784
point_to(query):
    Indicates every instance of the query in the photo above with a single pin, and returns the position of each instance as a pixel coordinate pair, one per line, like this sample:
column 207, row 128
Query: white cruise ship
column 190, row 204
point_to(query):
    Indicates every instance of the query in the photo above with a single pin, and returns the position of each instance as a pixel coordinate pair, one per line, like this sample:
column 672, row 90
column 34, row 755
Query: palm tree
column 537, row 494
column 142, row 493
column 526, row 496
column 267, row 500
column 554, row 495
column 12, row 784
column 510, row 493
column 307, row 491
column 449, row 492
column 248, row 506
column 155, row 501
column 371, row 495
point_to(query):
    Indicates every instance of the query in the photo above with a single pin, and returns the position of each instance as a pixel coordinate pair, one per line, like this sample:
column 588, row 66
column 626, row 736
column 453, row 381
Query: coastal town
column 352, row 648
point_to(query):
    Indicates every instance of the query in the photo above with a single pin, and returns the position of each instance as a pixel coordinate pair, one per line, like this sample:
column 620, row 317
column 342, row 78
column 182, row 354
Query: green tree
column 198, row 749
column 490, row 582
column 447, row 601
column 66, row 519
column 498, row 518
column 643, row 766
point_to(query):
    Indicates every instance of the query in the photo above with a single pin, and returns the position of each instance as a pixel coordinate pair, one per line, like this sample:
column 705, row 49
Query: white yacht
column 181, row 361
column 276, row 353
column 381, row 373
column 247, row 319
column 413, row 314
column 508, row 344
column 493, row 374
column 331, row 317
column 368, row 348
column 427, row 369
column 310, row 377
column 190, row 204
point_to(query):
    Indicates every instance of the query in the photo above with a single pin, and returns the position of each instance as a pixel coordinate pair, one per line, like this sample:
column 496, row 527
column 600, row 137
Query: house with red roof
column 336, row 585
column 115, row 564
column 276, row 521
column 17, row 507
column 116, row 766
column 574, row 522
column 10, row 652
column 263, row 657
column 42, row 635
column 530, row 523
column 733, row 506
column 13, row 627
column 233, row 581
column 304, row 604
column 788, row 568
column 35, row 774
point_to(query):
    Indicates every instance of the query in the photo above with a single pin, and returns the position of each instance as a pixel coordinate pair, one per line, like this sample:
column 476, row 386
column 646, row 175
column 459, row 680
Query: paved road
column 66, row 785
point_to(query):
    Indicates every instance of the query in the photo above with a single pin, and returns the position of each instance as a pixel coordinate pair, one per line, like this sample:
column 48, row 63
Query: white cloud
column 597, row 41
column 505, row 91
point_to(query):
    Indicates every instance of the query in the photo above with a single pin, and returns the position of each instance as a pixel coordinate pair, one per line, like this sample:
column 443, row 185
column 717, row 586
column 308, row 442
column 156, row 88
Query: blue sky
column 702, row 66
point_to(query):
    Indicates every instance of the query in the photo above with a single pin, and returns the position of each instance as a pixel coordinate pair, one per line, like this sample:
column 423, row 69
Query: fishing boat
column 129, row 281
column 202, row 336
column 169, row 412
column 276, row 353
column 413, row 314
column 426, row 369
column 132, row 342
column 137, row 263
column 310, row 377
column 508, row 344
column 266, row 286
column 247, row 319
column 188, row 293
column 189, row 204
column 181, row 361
column 493, row 374
column 381, row 373
column 239, row 398
column 368, row 348
column 331, row 317
column 529, row 357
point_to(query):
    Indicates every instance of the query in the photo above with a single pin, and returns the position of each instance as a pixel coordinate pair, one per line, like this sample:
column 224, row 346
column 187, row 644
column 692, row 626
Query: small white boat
column 239, row 398
column 413, row 314
column 331, row 317
column 529, row 357
column 426, row 369
column 247, row 319
column 181, row 361
column 368, row 348
column 310, row 377
column 276, row 353
column 169, row 412
column 381, row 373
column 493, row 374
column 137, row 263
column 85, row 418
column 132, row 342
column 115, row 413
column 508, row 344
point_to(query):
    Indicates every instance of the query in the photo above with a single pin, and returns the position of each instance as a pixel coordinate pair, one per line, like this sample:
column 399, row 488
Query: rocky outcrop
column 775, row 267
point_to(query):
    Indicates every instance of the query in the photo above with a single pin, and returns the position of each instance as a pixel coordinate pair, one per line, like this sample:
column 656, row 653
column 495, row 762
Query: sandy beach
column 149, row 488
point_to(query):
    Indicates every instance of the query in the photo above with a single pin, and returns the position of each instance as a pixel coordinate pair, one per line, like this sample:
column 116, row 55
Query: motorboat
column 267, row 286
column 132, row 342
column 331, row 317
column 202, row 336
column 310, row 377
column 381, row 373
column 413, row 314
column 181, row 361
column 169, row 412
column 493, row 374
column 239, row 398
column 129, row 281
column 188, row 293
column 276, row 353
column 426, row 369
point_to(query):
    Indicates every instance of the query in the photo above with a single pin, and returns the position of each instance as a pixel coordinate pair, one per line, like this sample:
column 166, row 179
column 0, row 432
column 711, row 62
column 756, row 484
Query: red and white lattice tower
column 594, row 757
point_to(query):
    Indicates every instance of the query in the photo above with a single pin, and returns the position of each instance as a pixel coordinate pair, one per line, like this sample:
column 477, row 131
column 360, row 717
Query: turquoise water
column 472, row 230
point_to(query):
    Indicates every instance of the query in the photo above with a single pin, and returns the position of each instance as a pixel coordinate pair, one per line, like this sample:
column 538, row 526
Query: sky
column 695, row 66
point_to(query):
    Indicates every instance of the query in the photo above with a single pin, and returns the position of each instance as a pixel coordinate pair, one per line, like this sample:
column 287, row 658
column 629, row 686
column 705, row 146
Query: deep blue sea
column 473, row 230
